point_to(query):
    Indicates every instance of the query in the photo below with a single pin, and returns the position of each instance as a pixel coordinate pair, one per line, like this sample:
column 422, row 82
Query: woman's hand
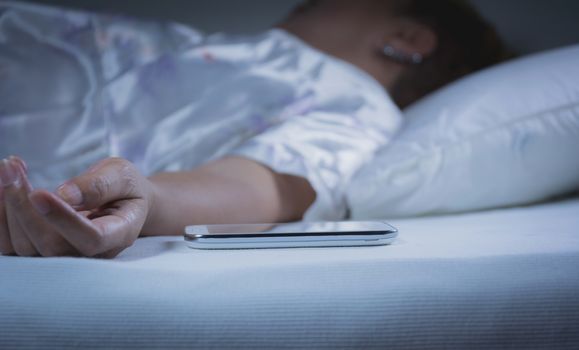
column 104, row 210
column 98, row 213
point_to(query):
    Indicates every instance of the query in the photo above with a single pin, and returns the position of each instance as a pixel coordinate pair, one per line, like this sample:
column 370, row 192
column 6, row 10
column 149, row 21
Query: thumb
column 109, row 180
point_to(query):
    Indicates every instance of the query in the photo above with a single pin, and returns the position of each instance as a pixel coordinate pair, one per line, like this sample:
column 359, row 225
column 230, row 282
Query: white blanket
column 503, row 278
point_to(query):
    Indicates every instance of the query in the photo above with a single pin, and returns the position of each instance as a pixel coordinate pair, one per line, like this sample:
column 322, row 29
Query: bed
column 486, row 278
column 496, row 279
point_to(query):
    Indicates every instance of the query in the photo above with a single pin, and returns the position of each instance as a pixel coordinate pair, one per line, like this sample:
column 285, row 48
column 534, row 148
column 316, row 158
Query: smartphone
column 290, row 235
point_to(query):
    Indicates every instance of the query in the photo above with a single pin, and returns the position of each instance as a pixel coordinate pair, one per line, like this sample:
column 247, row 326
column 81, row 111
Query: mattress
column 505, row 278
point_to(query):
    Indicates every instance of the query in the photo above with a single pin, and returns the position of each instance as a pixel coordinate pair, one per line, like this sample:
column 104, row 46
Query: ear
column 409, row 38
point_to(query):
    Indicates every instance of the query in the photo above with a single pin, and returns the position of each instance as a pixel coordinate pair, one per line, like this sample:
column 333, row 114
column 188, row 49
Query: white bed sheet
column 502, row 278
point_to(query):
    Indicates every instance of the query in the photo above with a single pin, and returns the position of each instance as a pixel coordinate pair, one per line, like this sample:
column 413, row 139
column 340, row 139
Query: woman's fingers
column 76, row 229
column 46, row 240
column 29, row 234
column 34, row 222
column 14, row 195
column 20, row 242
column 19, row 162
column 107, row 181
column 123, row 222
column 5, row 242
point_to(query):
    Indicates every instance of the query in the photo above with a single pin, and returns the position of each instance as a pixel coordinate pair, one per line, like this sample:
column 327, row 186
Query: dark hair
column 466, row 43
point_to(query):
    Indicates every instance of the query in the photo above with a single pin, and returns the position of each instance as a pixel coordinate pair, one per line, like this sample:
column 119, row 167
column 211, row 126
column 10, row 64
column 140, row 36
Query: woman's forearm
column 230, row 190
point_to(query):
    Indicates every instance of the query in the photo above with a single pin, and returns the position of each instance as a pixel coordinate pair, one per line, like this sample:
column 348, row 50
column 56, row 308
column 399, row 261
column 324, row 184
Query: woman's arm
column 103, row 211
column 230, row 190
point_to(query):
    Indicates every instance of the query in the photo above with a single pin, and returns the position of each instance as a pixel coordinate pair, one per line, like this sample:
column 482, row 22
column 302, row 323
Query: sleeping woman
column 146, row 127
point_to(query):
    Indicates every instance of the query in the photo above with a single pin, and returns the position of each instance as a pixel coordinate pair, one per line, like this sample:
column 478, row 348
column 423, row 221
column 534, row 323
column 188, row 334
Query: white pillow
column 504, row 136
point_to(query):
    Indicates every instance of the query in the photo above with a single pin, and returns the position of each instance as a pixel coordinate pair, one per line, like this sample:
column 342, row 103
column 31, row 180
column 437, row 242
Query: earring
column 400, row 57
